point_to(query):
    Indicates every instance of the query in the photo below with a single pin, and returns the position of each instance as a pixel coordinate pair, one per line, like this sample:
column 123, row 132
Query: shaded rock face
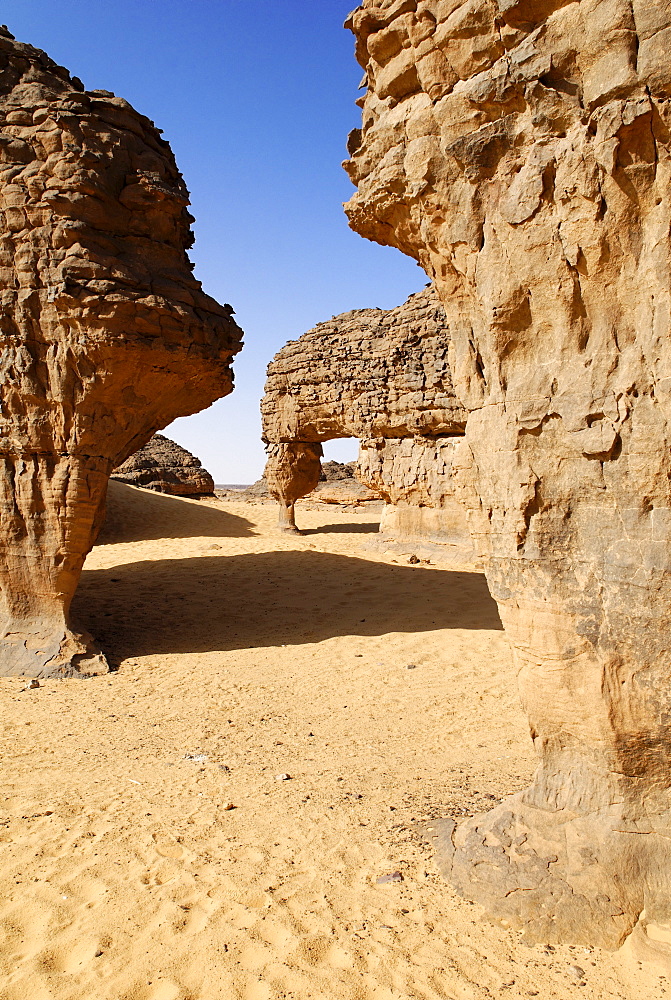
column 166, row 467
column 519, row 149
column 416, row 478
column 333, row 472
column 378, row 375
column 106, row 335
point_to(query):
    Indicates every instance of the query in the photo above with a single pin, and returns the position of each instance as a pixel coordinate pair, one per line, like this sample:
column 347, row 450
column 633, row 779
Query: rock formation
column 337, row 484
column 292, row 471
column 520, row 150
column 166, row 467
column 383, row 377
column 107, row 336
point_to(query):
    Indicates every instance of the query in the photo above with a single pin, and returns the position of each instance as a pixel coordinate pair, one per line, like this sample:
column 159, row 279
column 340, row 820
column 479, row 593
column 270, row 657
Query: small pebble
column 392, row 877
column 35, row 683
column 282, row 777
column 411, row 666
column 576, row 971
column 228, row 806
column 413, row 560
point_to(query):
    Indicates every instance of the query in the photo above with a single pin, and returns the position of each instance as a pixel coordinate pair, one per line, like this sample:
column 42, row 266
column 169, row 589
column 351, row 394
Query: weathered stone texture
column 164, row 466
column 106, row 335
column 365, row 373
column 520, row 150
column 416, row 478
column 383, row 377
column 292, row 471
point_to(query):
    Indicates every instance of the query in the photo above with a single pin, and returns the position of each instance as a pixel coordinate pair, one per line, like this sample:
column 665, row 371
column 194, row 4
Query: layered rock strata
column 164, row 466
column 520, row 150
column 106, row 335
column 383, row 377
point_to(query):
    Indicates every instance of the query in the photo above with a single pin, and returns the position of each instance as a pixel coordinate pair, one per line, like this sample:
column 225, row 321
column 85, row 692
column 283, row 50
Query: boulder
column 107, row 336
column 520, row 150
column 383, row 377
column 166, row 467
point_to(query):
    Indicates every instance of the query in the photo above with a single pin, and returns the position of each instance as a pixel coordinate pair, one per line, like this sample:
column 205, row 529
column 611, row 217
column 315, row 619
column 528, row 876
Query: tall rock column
column 106, row 335
column 521, row 151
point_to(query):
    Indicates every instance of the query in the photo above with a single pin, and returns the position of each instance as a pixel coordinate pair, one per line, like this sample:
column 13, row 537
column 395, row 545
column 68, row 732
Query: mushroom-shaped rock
column 520, row 150
column 292, row 471
column 382, row 376
column 106, row 335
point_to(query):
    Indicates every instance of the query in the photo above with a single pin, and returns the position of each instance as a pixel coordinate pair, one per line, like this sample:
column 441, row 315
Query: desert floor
column 243, row 655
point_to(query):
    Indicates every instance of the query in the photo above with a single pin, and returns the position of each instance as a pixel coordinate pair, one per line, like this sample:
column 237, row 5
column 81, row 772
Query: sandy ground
column 243, row 655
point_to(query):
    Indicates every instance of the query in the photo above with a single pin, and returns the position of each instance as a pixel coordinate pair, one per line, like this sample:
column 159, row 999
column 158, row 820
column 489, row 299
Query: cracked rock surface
column 381, row 376
column 520, row 151
column 164, row 466
column 106, row 335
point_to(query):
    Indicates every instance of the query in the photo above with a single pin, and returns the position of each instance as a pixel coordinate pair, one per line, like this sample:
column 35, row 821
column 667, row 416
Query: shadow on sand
column 135, row 514
column 352, row 528
column 269, row 599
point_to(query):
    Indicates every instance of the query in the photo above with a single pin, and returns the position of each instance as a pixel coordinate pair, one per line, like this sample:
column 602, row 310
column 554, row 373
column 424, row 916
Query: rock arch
column 381, row 376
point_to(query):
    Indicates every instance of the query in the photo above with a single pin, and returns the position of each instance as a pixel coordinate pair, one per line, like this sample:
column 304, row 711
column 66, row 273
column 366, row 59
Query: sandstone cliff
column 107, row 336
column 520, row 150
column 383, row 377
column 166, row 467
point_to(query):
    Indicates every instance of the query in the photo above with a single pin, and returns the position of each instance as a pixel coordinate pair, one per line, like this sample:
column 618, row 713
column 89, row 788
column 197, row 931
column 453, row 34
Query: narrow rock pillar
column 292, row 471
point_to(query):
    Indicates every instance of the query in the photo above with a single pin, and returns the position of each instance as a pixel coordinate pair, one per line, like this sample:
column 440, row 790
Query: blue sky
column 256, row 98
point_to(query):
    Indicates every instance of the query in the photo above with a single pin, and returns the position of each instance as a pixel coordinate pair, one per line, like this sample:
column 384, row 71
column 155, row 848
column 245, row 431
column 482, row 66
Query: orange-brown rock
column 292, row 471
column 164, row 466
column 106, row 335
column 521, row 151
column 383, row 377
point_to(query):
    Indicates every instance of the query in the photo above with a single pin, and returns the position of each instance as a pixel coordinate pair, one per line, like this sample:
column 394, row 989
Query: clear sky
column 256, row 98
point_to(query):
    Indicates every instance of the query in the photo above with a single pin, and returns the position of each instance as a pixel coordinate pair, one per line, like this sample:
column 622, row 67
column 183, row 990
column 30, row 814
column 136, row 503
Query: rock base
column 441, row 533
column 564, row 878
column 36, row 653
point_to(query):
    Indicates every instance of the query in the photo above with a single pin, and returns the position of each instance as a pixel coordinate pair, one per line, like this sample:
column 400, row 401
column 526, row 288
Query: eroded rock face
column 365, row 373
column 416, row 478
column 383, row 377
column 519, row 149
column 106, row 335
column 292, row 471
column 164, row 466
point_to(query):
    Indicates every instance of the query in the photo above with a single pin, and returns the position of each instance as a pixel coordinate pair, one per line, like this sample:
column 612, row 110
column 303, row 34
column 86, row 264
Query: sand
column 384, row 691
